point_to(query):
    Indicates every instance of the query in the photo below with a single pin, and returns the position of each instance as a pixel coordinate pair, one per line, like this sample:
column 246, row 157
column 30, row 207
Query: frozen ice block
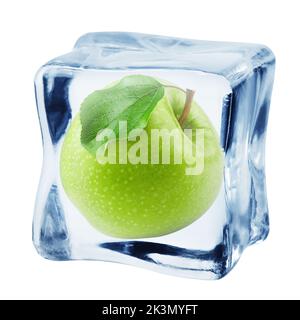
column 153, row 152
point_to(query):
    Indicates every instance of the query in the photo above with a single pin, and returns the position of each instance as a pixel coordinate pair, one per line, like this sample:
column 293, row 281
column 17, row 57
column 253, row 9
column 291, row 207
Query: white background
column 32, row 32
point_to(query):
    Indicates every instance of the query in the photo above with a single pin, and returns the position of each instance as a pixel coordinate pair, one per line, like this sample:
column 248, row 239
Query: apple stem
column 187, row 106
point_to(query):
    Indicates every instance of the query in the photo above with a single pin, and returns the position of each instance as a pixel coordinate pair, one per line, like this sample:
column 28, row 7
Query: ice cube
column 83, row 212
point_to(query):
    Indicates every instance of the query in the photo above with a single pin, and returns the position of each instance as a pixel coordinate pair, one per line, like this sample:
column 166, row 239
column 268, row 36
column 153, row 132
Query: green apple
column 143, row 200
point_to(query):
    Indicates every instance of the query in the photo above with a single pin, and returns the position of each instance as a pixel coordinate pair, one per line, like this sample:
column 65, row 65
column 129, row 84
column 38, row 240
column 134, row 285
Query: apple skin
column 144, row 200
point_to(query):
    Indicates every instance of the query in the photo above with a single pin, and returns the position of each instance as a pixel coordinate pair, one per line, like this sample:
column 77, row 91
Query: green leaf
column 132, row 99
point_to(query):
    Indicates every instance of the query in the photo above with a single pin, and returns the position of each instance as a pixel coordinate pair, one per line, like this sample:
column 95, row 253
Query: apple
column 143, row 200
